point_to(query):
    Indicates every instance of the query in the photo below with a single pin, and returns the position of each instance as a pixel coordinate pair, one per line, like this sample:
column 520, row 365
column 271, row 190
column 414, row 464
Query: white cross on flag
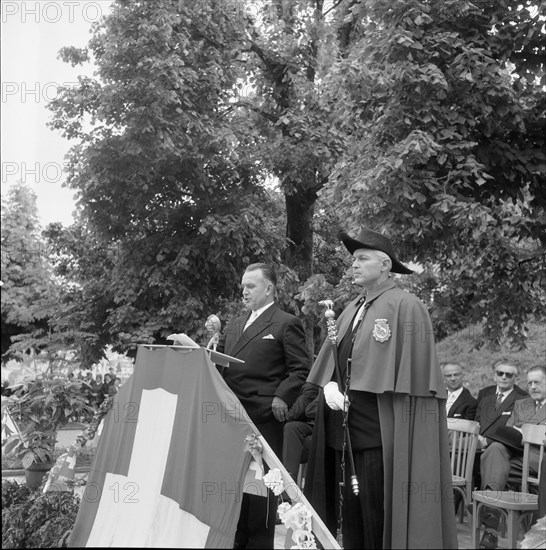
column 170, row 464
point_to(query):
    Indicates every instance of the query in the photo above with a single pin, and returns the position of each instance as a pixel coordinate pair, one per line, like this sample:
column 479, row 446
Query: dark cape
column 404, row 372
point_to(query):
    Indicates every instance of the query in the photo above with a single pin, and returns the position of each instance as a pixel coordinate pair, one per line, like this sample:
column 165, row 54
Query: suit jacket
column 305, row 407
column 464, row 407
column 525, row 413
column 276, row 357
column 488, row 416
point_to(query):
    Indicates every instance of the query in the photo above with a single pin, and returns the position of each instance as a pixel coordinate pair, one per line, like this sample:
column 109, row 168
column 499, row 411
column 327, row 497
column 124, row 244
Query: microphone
column 213, row 326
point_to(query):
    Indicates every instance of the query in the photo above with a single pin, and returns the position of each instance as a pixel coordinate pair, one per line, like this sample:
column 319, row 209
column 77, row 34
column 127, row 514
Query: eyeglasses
column 501, row 373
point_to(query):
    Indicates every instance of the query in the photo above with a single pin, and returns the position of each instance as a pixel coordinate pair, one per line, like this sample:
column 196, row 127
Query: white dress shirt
column 255, row 314
column 452, row 396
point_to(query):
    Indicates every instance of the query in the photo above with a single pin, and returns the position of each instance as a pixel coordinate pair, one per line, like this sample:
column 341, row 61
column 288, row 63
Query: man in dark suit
column 298, row 428
column 460, row 402
column 491, row 414
column 496, row 403
column 272, row 345
column 502, row 463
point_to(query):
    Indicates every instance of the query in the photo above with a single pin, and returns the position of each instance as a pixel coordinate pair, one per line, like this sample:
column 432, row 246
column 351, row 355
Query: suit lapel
column 488, row 407
column 536, row 417
column 457, row 403
column 254, row 330
column 504, row 406
column 508, row 401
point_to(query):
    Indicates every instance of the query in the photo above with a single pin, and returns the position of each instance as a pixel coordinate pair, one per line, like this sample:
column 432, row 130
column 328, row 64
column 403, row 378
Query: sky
column 32, row 33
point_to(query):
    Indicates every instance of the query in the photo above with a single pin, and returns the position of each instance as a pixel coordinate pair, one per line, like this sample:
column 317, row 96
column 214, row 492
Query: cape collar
column 378, row 290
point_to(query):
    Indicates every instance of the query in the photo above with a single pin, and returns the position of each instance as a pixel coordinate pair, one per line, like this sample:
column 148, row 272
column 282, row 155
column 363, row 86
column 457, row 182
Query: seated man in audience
column 496, row 403
column 460, row 402
column 501, row 464
column 299, row 425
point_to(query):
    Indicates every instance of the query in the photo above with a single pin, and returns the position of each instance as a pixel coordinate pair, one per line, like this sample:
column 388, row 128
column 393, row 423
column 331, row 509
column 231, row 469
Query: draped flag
column 9, row 427
column 170, row 465
column 62, row 475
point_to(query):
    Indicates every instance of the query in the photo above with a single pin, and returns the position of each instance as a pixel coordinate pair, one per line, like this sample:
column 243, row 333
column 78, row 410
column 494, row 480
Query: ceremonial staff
column 332, row 336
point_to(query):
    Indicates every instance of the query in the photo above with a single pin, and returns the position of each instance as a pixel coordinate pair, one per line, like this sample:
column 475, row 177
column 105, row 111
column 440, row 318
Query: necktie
column 499, row 400
column 251, row 319
column 450, row 400
column 360, row 313
column 538, row 404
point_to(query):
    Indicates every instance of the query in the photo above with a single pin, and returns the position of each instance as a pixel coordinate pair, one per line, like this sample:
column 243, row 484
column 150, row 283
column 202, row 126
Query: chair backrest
column 533, row 434
column 463, row 438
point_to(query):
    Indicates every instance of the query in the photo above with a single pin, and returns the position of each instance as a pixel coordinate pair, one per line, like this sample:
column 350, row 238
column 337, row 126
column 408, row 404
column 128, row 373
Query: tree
column 403, row 110
column 444, row 119
column 178, row 160
column 25, row 271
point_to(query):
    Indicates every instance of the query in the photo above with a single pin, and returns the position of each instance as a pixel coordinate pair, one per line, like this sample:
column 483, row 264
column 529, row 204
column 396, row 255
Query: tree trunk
column 300, row 208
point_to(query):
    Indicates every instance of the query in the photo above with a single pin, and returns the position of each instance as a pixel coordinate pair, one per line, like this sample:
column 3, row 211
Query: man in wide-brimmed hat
column 396, row 416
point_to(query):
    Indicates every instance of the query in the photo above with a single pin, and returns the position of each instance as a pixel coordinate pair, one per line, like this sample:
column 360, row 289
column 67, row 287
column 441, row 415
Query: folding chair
column 513, row 505
column 463, row 439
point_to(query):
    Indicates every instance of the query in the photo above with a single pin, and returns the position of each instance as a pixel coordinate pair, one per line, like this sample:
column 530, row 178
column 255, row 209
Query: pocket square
column 269, row 337
column 506, row 412
column 456, row 415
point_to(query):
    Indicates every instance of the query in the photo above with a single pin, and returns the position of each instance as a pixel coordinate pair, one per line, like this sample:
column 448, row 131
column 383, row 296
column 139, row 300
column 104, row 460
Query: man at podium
column 271, row 343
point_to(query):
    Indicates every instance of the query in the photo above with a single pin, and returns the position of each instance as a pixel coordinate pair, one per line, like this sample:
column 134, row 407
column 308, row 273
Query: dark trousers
column 295, row 433
column 256, row 525
column 363, row 514
column 501, row 470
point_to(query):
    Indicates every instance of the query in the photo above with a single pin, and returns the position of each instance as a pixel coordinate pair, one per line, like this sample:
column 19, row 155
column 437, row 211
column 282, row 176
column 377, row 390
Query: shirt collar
column 263, row 308
column 455, row 393
column 505, row 393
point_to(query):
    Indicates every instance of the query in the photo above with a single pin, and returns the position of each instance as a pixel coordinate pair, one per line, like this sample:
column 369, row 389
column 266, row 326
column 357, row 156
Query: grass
column 465, row 348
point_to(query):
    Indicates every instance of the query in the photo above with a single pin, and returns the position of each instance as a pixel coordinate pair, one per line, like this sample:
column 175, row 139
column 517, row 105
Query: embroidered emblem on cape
column 381, row 330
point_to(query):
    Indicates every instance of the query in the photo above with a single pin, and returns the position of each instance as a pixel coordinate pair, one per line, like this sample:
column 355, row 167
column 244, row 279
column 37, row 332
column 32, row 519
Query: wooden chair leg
column 475, row 527
column 512, row 524
column 462, row 507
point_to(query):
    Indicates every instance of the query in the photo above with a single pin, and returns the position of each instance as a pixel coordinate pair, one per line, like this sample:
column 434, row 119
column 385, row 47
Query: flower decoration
column 254, row 447
column 273, row 480
column 298, row 518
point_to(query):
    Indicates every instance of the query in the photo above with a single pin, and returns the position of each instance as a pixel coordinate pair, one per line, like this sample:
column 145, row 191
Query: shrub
column 40, row 407
column 468, row 347
column 84, row 459
column 35, row 520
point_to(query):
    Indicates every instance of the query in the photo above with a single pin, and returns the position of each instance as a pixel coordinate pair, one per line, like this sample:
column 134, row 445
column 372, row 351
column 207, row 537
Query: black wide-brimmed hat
column 367, row 238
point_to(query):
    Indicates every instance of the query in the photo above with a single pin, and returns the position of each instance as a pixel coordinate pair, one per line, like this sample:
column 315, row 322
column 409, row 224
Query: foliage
column 424, row 119
column 31, row 520
column 470, row 347
column 13, row 493
column 25, row 271
column 444, row 121
column 172, row 206
column 291, row 45
column 84, row 458
column 40, row 407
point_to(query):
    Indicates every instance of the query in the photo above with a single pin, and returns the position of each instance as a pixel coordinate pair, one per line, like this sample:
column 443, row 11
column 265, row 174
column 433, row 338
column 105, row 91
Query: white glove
column 334, row 398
